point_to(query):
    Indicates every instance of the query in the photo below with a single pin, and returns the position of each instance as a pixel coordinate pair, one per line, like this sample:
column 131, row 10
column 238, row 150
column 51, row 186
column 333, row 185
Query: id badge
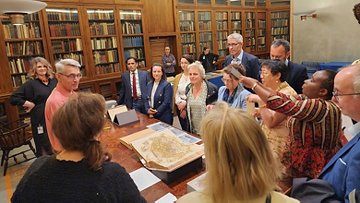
column 40, row 129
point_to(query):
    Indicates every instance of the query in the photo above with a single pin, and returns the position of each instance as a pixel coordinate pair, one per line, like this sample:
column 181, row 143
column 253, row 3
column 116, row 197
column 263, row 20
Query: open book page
column 163, row 151
column 141, row 134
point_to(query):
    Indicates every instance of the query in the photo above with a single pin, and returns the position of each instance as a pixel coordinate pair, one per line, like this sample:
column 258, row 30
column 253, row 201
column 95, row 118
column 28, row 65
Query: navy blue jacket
column 250, row 62
column 297, row 74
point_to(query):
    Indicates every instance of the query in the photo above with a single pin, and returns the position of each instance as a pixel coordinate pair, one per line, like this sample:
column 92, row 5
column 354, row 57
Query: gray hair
column 197, row 65
column 66, row 62
column 281, row 42
column 236, row 36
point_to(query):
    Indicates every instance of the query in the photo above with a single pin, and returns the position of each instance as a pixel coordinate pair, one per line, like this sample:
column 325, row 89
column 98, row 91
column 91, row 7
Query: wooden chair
column 14, row 135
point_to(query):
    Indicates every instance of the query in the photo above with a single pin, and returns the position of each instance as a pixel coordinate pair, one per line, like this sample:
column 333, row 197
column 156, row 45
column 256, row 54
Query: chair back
column 14, row 135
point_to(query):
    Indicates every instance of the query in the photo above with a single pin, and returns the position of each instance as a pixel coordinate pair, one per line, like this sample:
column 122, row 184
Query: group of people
column 298, row 136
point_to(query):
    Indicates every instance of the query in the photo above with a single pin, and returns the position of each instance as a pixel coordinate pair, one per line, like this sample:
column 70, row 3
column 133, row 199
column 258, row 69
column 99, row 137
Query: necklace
column 70, row 156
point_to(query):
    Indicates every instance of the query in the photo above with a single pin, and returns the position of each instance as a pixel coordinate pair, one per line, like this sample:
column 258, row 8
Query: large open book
column 164, row 151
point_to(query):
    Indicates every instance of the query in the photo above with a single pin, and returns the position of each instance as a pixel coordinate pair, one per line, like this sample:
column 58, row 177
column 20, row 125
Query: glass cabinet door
column 236, row 22
column 132, row 33
column 103, row 41
column 222, row 32
column 280, row 25
column 249, row 35
column 187, row 32
column 261, row 32
column 65, row 35
column 205, row 32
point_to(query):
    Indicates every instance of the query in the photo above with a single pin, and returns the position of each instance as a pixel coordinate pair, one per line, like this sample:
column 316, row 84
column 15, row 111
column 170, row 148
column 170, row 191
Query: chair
column 14, row 135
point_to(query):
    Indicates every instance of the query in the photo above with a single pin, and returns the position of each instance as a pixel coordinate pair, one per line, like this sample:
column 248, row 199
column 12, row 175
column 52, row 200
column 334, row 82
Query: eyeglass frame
column 72, row 75
column 336, row 94
column 233, row 45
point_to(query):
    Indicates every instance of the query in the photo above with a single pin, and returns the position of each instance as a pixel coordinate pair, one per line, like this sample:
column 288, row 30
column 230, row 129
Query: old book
column 135, row 136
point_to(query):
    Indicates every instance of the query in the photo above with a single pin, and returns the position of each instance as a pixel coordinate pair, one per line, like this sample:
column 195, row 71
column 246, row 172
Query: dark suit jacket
column 250, row 62
column 297, row 74
column 343, row 169
column 125, row 95
column 162, row 101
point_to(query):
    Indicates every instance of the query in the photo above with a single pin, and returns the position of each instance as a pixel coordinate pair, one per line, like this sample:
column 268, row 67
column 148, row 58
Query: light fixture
column 304, row 17
column 17, row 9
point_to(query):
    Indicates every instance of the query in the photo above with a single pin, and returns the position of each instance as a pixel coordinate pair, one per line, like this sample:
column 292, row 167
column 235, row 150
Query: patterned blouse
column 196, row 108
column 315, row 128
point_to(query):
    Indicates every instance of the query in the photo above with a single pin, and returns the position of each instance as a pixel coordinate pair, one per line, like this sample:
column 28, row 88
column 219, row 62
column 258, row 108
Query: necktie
column 134, row 86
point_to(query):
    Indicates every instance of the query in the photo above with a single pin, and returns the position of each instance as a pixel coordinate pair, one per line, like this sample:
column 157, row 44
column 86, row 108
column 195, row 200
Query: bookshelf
column 261, row 45
column 103, row 41
column 249, row 3
column 187, row 32
column 249, row 34
column 22, row 44
column 280, row 25
column 236, row 22
column 132, row 34
column 222, row 32
column 66, row 38
column 205, row 30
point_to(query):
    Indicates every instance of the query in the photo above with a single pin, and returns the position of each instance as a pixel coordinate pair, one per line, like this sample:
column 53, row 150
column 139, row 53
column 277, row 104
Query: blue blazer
column 162, row 101
column 343, row 169
column 297, row 74
column 250, row 62
column 125, row 94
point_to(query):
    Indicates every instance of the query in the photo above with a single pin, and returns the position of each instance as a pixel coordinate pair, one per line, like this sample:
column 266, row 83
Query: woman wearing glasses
column 32, row 95
column 315, row 123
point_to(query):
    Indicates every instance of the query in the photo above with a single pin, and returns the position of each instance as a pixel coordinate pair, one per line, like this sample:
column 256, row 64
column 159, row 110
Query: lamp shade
column 20, row 6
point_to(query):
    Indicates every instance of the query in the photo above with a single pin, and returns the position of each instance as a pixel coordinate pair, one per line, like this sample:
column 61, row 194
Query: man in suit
column 297, row 74
column 343, row 170
column 133, row 92
column 238, row 56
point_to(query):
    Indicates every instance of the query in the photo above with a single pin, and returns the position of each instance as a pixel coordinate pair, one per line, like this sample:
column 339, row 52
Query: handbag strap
column 268, row 199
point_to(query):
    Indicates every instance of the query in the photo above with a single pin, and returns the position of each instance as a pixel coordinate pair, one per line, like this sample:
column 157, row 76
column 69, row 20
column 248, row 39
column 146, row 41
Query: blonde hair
column 77, row 124
column 239, row 161
column 32, row 72
column 199, row 67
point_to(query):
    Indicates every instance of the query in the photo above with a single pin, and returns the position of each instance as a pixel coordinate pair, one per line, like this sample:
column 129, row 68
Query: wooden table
column 129, row 160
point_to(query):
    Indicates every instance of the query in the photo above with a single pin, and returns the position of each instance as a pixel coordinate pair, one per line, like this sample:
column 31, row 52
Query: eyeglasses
column 226, row 80
column 72, row 75
column 337, row 94
column 233, row 45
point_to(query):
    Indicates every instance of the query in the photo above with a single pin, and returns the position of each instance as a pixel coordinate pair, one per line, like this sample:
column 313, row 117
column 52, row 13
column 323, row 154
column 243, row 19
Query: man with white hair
column 343, row 170
column 68, row 76
column 239, row 56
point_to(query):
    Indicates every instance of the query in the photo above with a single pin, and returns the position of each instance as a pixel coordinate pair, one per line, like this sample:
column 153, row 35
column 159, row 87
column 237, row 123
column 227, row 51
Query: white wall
column 333, row 36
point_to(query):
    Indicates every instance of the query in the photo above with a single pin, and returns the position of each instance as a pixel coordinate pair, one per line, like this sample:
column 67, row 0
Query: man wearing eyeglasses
column 239, row 56
column 343, row 170
column 68, row 76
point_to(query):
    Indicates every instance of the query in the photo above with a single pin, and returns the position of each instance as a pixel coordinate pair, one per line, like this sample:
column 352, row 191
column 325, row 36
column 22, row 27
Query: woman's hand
column 253, row 98
column 183, row 113
column 28, row 106
column 248, row 82
column 181, row 105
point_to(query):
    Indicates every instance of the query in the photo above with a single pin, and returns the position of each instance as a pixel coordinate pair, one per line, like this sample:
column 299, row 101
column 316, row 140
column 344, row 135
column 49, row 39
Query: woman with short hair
column 81, row 172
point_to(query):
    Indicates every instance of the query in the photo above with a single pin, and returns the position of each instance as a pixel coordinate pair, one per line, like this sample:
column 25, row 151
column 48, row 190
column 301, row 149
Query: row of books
column 205, row 36
column 285, row 37
column 186, row 26
column 31, row 17
column 280, row 31
column 131, row 28
column 249, row 15
column 249, row 41
column 249, row 32
column 262, row 24
column 261, row 47
column 24, row 48
column 280, row 22
column 68, row 45
column 188, row 48
column 205, row 44
column 236, row 25
column 63, row 15
column 133, row 41
column 261, row 40
column 221, row 16
column 18, row 80
column 261, row 15
column 138, row 53
column 204, row 15
column 102, row 29
column 28, row 30
column 222, row 35
column 204, row 25
column 261, row 32
column 222, row 44
column 250, row 23
column 103, row 43
column 102, row 15
column 221, row 25
column 130, row 15
column 186, row 15
column 76, row 56
column 105, row 56
column 109, row 68
column 64, row 30
column 280, row 14
column 188, row 38
column 19, row 65
column 235, row 15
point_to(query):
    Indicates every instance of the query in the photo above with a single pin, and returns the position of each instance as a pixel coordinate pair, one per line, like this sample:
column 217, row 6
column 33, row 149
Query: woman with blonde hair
column 239, row 162
column 32, row 96
column 81, row 172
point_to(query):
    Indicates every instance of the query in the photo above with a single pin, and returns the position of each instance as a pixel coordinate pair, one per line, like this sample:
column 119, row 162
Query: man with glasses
column 297, row 74
column 68, row 76
column 239, row 56
column 343, row 170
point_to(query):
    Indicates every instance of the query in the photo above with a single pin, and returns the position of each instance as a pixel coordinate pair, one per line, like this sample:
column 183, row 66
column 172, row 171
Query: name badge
column 40, row 129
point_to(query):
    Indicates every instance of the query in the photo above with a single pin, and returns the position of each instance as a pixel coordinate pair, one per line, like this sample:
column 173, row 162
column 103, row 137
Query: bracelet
column 253, row 87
